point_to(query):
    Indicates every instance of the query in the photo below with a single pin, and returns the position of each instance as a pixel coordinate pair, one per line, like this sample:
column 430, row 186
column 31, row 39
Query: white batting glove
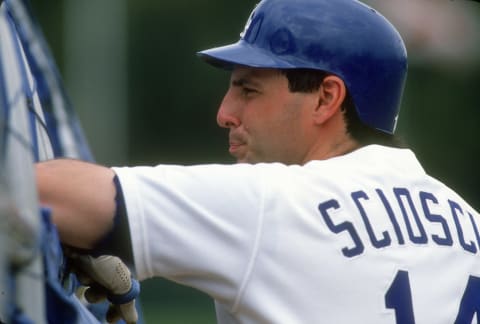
column 108, row 277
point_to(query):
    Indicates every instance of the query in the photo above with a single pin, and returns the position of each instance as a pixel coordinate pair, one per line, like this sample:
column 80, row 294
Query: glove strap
column 128, row 296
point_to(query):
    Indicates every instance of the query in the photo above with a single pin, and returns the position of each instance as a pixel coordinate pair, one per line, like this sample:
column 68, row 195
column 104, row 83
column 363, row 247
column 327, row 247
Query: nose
column 226, row 115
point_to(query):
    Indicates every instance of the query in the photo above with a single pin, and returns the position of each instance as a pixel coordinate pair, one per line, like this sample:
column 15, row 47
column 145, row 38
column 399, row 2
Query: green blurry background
column 144, row 97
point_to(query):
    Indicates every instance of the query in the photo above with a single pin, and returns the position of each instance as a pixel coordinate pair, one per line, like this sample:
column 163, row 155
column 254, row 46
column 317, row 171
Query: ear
column 332, row 93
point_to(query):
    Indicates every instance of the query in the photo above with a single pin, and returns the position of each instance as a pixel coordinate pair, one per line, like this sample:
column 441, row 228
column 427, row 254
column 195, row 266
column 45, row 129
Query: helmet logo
column 282, row 42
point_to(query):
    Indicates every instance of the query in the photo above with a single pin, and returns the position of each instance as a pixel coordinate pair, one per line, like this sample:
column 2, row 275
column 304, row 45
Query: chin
column 246, row 159
column 242, row 161
column 250, row 158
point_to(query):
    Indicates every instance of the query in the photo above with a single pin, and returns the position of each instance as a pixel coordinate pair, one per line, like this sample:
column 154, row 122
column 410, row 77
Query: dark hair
column 309, row 80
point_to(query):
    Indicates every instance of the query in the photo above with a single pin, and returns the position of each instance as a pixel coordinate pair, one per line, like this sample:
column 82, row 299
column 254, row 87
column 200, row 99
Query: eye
column 246, row 91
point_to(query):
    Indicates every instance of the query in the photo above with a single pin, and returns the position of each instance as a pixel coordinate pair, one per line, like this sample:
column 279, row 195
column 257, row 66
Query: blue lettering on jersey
column 403, row 194
column 338, row 228
column 391, row 215
column 475, row 228
column 412, row 217
column 385, row 240
column 470, row 247
column 425, row 198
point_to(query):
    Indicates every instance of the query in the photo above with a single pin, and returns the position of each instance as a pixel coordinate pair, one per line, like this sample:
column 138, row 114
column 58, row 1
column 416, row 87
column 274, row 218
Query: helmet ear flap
column 343, row 37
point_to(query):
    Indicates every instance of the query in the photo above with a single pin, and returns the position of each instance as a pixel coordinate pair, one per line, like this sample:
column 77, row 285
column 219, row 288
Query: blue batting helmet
column 343, row 37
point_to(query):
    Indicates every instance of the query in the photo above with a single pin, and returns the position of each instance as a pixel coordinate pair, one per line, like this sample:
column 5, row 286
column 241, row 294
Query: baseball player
column 325, row 218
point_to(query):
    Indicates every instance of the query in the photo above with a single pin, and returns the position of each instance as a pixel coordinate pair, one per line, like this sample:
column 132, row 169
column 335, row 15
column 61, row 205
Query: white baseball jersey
column 367, row 237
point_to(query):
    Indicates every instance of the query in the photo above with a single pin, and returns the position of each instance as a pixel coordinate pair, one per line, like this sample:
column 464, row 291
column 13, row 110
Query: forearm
column 81, row 196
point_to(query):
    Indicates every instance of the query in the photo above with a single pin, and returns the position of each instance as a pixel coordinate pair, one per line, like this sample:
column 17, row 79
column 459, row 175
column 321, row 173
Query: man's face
column 266, row 122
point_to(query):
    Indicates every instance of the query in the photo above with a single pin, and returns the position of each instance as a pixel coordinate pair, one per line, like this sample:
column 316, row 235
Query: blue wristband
column 128, row 296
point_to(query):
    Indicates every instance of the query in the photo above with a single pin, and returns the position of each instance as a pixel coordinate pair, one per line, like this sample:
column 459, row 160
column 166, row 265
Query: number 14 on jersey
column 399, row 298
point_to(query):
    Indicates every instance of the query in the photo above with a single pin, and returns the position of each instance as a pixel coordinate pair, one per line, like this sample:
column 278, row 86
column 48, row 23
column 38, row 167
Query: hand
column 107, row 277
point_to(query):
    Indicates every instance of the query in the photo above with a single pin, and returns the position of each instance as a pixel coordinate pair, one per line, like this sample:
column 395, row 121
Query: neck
column 324, row 151
column 341, row 147
column 331, row 139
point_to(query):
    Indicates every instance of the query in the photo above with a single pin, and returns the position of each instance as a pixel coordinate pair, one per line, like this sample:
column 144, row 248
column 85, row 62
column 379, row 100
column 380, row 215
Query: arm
column 81, row 196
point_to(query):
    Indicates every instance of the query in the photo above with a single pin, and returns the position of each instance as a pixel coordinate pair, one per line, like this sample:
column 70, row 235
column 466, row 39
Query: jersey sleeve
column 190, row 224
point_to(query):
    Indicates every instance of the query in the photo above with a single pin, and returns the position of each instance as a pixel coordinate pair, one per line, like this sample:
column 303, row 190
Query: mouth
column 235, row 147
